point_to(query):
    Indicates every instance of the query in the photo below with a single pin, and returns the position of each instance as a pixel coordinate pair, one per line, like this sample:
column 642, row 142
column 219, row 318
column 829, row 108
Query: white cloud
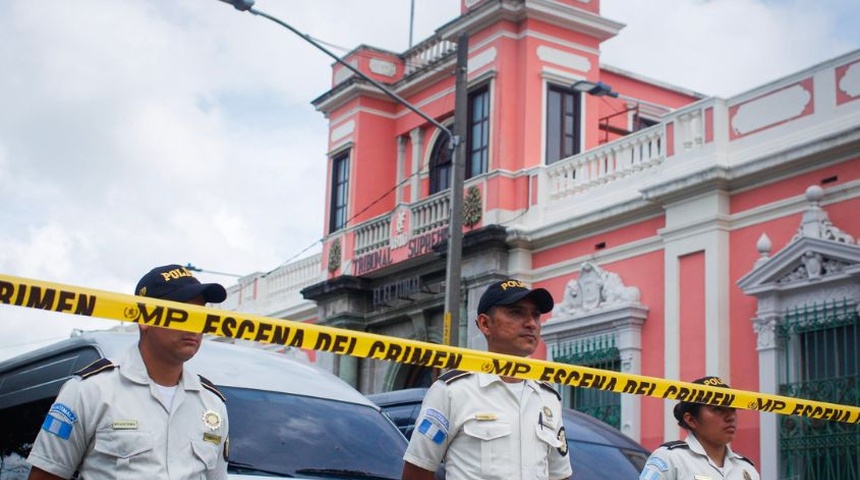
column 724, row 47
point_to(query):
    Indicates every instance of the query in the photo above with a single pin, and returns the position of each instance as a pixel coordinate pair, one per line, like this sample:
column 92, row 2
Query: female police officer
column 705, row 455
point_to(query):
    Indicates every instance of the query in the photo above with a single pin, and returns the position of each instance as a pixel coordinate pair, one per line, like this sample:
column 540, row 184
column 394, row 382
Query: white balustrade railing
column 431, row 213
column 276, row 291
column 427, row 215
column 625, row 156
column 372, row 235
column 427, row 52
column 291, row 278
column 690, row 128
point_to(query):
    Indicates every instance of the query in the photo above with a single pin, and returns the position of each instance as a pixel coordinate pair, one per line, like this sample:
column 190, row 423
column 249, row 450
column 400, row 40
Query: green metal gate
column 821, row 363
column 597, row 352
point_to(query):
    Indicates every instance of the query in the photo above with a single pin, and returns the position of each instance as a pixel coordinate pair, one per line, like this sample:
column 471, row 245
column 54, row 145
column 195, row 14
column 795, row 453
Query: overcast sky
column 137, row 133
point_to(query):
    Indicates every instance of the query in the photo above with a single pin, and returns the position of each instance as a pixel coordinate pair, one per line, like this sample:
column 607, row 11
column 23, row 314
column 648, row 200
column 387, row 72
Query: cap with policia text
column 510, row 291
column 682, row 407
column 175, row 282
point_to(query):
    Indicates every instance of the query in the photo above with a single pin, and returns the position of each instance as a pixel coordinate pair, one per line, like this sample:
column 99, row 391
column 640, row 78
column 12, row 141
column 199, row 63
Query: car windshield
column 590, row 460
column 286, row 435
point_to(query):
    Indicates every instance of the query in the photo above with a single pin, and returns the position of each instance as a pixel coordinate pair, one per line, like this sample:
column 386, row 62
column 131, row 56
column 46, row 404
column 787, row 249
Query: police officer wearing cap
column 705, row 455
column 147, row 416
column 487, row 426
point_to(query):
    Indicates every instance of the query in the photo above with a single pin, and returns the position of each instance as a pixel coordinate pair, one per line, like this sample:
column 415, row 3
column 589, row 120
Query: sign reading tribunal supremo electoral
column 402, row 245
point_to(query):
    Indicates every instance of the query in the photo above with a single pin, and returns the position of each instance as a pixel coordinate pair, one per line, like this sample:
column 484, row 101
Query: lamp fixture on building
column 598, row 89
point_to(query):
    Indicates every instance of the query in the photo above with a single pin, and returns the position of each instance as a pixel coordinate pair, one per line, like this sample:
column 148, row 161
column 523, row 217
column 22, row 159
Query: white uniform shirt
column 475, row 424
column 114, row 421
column 677, row 461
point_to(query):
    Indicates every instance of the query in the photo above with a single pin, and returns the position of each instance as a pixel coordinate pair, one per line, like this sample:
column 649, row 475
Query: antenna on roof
column 411, row 21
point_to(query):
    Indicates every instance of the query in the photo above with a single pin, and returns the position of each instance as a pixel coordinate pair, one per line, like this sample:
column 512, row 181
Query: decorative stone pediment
column 595, row 289
column 820, row 264
column 802, row 262
column 819, row 253
column 595, row 302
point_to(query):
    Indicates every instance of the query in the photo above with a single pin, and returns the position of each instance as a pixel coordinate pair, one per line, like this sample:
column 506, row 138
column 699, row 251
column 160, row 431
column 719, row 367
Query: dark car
column 288, row 419
column 597, row 450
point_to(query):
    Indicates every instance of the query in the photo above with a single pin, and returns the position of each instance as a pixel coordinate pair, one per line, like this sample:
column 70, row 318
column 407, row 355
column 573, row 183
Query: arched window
column 440, row 165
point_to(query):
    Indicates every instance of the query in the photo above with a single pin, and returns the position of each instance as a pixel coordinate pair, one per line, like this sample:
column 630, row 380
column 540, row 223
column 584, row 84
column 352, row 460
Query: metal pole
column 455, row 221
column 455, row 236
column 411, row 21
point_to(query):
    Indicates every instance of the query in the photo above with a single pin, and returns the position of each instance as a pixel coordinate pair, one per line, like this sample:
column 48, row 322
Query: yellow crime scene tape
column 192, row 318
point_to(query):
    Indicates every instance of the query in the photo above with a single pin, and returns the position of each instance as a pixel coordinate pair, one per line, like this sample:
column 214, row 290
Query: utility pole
column 451, row 331
column 457, row 144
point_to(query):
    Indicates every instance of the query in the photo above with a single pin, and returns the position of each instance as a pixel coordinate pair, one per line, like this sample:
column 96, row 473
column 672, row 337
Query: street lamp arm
column 248, row 6
column 196, row 269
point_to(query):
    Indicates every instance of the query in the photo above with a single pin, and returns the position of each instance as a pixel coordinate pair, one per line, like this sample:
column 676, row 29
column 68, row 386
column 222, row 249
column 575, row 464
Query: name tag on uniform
column 208, row 437
column 485, row 417
column 701, row 477
column 125, row 425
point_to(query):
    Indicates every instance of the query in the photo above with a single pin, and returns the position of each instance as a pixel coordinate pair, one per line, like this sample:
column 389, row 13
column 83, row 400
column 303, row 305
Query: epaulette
column 453, row 375
column 99, row 366
column 675, row 444
column 547, row 386
column 208, row 385
column 745, row 459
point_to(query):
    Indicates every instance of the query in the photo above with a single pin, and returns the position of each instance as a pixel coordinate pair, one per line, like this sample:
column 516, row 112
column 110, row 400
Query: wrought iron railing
column 597, row 352
column 821, row 363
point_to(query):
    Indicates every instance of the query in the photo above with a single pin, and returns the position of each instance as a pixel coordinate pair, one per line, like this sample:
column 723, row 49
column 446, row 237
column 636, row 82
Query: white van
column 287, row 419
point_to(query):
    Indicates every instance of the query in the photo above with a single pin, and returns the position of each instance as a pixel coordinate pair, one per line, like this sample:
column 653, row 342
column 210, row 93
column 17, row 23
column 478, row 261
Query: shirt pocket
column 547, row 436
column 494, row 441
column 546, row 444
column 129, row 451
column 206, row 453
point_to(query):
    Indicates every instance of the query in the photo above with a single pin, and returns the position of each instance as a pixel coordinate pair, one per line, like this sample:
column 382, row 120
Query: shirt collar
column 133, row 368
column 485, row 379
column 697, row 447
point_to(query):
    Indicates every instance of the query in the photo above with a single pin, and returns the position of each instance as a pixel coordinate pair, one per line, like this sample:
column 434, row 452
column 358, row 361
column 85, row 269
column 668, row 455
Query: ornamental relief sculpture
column 813, row 266
column 595, row 288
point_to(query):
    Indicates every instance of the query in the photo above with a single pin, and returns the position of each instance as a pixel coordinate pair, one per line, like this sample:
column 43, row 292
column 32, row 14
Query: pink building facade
column 681, row 235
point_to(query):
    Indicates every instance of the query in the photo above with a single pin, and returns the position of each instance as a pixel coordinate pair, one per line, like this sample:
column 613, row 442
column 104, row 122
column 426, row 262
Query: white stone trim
column 382, row 67
column 773, row 108
column 565, row 59
column 481, row 59
column 342, row 130
column 850, row 82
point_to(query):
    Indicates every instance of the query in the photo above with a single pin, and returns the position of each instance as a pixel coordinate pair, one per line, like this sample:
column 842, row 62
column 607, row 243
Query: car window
column 310, row 437
column 591, row 460
column 404, row 417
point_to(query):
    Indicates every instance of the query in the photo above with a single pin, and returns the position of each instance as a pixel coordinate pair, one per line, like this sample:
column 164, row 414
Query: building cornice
column 551, row 12
column 651, row 81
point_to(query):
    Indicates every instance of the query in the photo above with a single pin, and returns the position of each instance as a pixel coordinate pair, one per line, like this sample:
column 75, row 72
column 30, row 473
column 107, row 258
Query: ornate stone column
column 417, row 137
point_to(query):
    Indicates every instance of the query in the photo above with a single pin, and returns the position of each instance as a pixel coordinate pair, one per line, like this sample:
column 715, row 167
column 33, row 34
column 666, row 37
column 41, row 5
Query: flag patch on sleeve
column 59, row 421
column 434, row 426
column 58, row 427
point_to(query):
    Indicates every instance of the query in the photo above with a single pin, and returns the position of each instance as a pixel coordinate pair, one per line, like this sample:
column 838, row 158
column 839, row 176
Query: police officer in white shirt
column 491, row 427
column 146, row 417
column 705, row 455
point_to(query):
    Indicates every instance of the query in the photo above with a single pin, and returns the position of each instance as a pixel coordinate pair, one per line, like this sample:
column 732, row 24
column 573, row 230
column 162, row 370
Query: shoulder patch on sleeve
column 453, row 376
column 547, row 386
column 745, row 459
column 675, row 444
column 99, row 366
column 208, row 385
